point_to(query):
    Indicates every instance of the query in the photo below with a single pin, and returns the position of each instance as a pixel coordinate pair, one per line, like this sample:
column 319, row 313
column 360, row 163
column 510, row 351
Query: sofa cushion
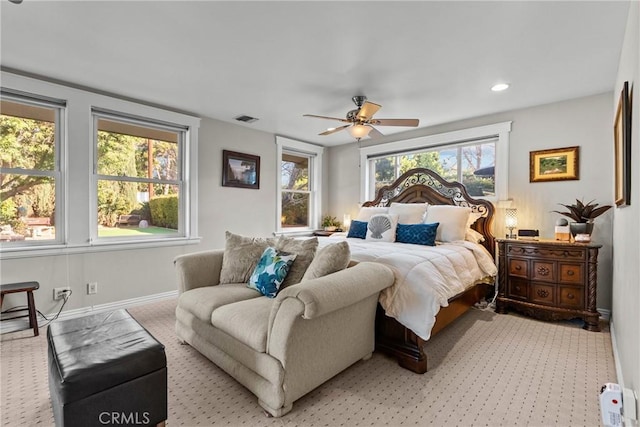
column 201, row 302
column 305, row 251
column 331, row 258
column 271, row 271
column 241, row 255
column 246, row 321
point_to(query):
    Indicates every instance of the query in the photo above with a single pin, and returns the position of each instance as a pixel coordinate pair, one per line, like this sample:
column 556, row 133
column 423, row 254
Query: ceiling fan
column 360, row 120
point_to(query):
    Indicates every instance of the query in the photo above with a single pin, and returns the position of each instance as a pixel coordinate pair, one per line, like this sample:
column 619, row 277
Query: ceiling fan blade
column 326, row 117
column 333, row 130
column 375, row 133
column 396, row 122
column 367, row 110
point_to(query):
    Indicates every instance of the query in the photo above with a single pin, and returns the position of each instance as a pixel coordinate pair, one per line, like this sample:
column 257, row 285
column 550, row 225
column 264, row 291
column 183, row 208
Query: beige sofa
column 284, row 347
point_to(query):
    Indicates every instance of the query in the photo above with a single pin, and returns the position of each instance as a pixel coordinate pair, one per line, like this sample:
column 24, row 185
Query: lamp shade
column 511, row 218
column 359, row 131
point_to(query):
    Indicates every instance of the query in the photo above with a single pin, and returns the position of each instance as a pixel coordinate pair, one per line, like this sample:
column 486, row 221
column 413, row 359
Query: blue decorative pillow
column 358, row 229
column 418, row 234
column 271, row 271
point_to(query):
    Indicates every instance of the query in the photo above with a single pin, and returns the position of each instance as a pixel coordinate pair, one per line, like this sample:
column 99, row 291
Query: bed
column 403, row 327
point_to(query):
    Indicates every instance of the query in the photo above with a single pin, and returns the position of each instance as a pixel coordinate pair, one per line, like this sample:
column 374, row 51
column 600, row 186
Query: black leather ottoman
column 106, row 369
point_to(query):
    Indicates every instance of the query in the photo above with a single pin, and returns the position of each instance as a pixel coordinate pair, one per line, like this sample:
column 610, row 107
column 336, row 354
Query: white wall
column 586, row 122
column 626, row 231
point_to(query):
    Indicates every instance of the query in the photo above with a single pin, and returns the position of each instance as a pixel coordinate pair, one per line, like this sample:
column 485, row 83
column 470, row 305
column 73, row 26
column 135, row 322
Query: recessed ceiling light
column 500, row 87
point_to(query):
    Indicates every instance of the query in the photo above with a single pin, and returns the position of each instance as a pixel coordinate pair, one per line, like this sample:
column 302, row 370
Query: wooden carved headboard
column 424, row 185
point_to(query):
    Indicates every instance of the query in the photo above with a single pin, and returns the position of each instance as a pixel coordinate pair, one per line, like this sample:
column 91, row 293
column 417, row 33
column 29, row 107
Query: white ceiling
column 434, row 61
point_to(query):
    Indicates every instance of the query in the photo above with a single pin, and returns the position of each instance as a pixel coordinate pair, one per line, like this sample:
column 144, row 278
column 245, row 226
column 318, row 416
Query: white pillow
column 368, row 211
column 452, row 219
column 382, row 228
column 409, row 213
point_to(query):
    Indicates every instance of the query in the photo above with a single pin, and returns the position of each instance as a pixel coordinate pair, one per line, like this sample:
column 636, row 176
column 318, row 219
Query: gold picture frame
column 559, row 164
column 622, row 149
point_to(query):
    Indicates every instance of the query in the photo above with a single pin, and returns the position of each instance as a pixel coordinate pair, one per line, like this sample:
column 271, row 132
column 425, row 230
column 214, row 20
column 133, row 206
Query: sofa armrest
column 198, row 269
column 341, row 289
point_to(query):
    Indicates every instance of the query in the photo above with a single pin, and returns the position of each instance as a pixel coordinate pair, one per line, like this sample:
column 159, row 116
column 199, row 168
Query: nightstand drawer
column 518, row 289
column 542, row 294
column 571, row 273
column 543, row 271
column 571, row 297
column 519, row 268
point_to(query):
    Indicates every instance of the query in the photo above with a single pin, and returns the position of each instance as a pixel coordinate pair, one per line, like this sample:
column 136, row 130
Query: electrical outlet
column 92, row 288
column 59, row 293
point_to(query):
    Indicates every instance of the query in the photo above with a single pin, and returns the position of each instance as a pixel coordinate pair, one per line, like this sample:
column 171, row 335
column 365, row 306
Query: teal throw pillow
column 358, row 229
column 418, row 234
column 271, row 271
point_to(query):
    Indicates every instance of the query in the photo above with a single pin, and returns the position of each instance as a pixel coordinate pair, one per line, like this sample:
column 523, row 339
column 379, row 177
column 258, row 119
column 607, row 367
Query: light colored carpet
column 485, row 370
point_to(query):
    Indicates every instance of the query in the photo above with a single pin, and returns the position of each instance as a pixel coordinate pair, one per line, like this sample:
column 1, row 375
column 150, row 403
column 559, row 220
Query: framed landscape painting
column 622, row 143
column 240, row 170
column 560, row 164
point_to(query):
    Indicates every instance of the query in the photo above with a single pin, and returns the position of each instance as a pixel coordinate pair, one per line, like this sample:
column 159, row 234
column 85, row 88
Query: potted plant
column 583, row 215
column 330, row 223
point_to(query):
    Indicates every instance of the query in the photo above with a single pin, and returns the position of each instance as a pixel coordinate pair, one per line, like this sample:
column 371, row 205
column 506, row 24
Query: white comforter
column 426, row 276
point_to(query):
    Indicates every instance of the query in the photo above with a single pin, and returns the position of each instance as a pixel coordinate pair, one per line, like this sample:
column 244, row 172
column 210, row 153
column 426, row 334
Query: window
column 30, row 171
column 138, row 178
column 477, row 157
column 296, row 193
column 298, row 185
column 86, row 172
column 472, row 164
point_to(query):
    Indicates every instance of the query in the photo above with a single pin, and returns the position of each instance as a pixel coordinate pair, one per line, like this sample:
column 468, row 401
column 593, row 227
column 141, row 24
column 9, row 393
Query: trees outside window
column 454, row 163
column 29, row 170
column 138, row 178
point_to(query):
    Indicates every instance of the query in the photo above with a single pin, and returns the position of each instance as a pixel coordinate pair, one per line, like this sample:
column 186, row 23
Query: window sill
column 54, row 250
column 305, row 232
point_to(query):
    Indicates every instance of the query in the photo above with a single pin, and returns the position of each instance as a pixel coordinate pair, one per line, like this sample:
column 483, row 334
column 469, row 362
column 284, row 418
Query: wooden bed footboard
column 400, row 342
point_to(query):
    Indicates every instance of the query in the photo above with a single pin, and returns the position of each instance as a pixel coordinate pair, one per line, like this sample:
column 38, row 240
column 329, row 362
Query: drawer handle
column 542, row 293
column 570, row 273
column 570, row 296
column 543, row 271
column 518, row 267
column 517, row 288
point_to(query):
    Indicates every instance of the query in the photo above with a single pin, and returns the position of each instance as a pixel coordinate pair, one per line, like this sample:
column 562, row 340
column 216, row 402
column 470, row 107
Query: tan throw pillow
column 241, row 255
column 331, row 258
column 304, row 249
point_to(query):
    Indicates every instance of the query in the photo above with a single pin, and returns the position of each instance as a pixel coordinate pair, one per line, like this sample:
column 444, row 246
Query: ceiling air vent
column 246, row 119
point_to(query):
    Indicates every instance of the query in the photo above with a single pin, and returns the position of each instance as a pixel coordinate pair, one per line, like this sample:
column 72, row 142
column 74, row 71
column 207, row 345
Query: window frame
column 98, row 114
column 77, row 156
column 314, row 153
column 58, row 173
column 500, row 131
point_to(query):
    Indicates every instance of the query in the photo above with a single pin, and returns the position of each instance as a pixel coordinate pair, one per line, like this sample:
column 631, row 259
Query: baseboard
column 7, row 326
column 604, row 314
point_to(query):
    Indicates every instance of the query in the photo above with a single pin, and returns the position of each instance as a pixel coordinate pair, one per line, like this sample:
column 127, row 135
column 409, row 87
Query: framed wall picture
column 559, row 164
column 240, row 170
column 622, row 147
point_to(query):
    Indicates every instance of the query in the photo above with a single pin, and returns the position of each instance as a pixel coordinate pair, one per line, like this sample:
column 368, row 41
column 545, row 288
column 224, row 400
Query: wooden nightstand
column 549, row 280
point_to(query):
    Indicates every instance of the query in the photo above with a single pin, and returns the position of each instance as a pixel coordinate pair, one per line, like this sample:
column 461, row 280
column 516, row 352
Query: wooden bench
column 37, row 225
column 129, row 219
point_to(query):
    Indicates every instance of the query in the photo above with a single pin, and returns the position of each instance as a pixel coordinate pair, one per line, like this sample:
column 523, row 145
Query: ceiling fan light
column 359, row 131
